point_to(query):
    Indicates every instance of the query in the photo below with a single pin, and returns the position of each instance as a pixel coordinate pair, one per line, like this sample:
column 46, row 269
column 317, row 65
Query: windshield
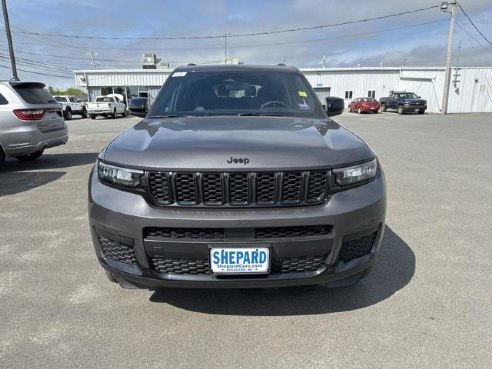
column 246, row 92
column 409, row 96
column 104, row 99
column 32, row 94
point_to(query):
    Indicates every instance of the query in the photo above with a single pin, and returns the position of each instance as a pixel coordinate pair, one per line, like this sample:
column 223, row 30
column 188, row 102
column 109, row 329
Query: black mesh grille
column 298, row 264
column 185, row 233
column 317, row 186
column 181, row 266
column 265, row 188
column 186, row 188
column 220, row 233
column 238, row 188
column 161, row 192
column 212, row 189
column 355, row 248
column 291, row 187
column 202, row 266
column 289, row 232
column 117, row 251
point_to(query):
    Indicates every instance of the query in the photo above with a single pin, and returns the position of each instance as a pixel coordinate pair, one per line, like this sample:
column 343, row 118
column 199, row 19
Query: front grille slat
column 185, row 185
column 260, row 233
column 185, row 233
column 238, row 189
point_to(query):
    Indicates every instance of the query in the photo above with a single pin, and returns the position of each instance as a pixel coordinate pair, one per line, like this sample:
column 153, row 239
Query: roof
column 236, row 67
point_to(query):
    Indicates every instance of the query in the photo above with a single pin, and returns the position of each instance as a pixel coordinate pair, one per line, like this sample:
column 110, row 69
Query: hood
column 225, row 142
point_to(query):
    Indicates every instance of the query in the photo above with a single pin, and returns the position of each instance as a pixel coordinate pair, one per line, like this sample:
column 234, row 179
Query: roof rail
column 281, row 65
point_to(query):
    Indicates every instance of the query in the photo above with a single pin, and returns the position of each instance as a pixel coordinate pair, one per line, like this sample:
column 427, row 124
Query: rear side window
column 33, row 94
column 3, row 100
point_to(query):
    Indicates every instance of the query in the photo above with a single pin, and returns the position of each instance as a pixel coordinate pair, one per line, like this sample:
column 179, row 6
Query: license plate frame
column 242, row 269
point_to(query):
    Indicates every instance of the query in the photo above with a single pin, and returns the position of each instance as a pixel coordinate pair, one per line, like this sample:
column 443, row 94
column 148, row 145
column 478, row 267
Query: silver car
column 30, row 121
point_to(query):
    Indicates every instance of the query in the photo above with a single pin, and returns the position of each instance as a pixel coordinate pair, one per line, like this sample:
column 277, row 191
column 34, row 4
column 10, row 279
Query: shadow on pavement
column 49, row 161
column 12, row 183
column 394, row 269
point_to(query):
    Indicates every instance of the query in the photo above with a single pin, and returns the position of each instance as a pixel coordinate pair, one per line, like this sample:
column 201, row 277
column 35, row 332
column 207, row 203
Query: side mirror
column 139, row 106
column 334, row 106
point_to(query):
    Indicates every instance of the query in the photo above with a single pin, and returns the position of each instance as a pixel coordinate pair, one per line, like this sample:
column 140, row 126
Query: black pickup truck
column 404, row 102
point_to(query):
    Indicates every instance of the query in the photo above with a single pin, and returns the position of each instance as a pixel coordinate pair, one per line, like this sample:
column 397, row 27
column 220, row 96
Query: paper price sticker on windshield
column 302, row 93
column 179, row 74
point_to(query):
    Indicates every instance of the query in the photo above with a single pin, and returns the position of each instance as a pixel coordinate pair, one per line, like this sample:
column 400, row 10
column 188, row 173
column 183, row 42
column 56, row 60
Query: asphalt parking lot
column 426, row 304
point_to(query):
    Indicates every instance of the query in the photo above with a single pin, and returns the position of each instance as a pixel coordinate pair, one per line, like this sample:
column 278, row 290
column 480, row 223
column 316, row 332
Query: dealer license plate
column 238, row 260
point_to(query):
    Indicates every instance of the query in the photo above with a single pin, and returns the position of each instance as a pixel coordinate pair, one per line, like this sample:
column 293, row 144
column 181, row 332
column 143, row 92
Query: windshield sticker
column 302, row 93
column 179, row 74
column 304, row 106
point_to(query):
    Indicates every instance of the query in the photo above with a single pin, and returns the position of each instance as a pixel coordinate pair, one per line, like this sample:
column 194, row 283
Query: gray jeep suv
column 30, row 121
column 236, row 178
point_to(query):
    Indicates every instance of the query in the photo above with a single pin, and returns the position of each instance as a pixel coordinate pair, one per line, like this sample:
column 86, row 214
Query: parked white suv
column 30, row 121
column 71, row 105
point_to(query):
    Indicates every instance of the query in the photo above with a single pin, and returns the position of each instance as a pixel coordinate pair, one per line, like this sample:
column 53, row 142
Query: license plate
column 238, row 260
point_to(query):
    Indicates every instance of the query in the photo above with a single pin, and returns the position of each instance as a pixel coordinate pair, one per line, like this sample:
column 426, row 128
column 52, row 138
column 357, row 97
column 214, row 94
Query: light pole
column 447, row 76
column 15, row 77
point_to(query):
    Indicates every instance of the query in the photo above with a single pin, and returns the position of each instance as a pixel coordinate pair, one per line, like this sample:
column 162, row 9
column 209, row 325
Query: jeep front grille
column 238, row 189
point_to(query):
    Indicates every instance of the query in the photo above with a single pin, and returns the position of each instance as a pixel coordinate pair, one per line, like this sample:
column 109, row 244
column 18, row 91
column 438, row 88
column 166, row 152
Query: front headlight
column 118, row 176
column 355, row 174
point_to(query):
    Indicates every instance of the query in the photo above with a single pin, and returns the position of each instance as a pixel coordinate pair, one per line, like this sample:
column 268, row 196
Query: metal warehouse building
column 470, row 87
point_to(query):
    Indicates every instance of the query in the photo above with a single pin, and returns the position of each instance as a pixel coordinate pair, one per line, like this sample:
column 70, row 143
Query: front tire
column 383, row 108
column 84, row 113
column 93, row 116
column 68, row 114
column 31, row 156
column 400, row 110
column 113, row 116
column 421, row 111
column 359, row 111
column 124, row 113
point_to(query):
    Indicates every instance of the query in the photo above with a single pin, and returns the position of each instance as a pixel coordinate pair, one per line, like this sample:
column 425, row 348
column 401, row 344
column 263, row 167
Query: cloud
column 420, row 45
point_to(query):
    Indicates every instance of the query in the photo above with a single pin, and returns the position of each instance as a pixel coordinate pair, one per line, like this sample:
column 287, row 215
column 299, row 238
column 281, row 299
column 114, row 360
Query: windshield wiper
column 259, row 115
column 171, row 116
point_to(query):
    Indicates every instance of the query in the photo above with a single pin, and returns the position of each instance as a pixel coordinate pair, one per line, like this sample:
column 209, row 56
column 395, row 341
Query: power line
column 42, row 74
column 473, row 37
column 239, row 46
column 234, row 34
column 473, row 24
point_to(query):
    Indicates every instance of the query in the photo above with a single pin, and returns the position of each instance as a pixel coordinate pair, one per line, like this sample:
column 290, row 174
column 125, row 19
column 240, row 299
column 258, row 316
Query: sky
column 418, row 39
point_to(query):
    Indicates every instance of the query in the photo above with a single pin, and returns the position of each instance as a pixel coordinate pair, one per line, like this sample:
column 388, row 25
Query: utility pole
column 447, row 77
column 15, row 77
column 93, row 59
column 225, row 47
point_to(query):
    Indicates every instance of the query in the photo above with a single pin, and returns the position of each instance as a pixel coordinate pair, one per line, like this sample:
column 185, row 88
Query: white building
column 470, row 87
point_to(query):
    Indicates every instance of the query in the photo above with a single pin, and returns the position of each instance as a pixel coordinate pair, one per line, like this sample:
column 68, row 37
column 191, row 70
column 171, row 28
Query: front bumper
column 123, row 217
column 409, row 108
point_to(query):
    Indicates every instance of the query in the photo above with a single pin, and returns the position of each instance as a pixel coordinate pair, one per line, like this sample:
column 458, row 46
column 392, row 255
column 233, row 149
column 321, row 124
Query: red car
column 364, row 105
